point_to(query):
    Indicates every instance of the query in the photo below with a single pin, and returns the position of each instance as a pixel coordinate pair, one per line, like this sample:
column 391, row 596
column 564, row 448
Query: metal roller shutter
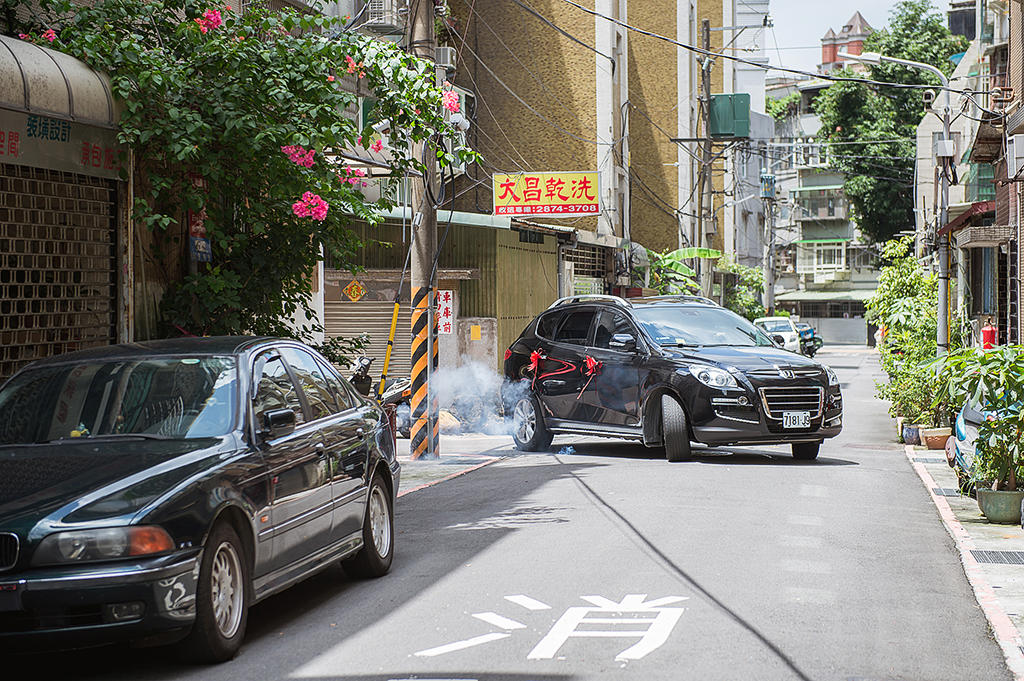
column 58, row 264
column 373, row 318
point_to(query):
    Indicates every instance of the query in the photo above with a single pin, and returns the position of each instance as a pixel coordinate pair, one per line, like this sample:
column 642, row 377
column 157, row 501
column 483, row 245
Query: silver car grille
column 777, row 400
column 8, row 550
column 797, row 372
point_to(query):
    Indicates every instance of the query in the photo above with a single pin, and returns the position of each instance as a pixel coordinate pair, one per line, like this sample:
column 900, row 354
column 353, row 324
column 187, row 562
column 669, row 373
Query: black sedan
column 665, row 371
column 156, row 490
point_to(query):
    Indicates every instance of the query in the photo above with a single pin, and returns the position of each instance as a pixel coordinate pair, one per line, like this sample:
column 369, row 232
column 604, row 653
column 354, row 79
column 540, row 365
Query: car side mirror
column 623, row 342
column 277, row 422
column 778, row 339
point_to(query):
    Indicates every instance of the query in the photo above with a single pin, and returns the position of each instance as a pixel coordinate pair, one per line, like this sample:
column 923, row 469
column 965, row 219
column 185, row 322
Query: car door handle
column 555, row 383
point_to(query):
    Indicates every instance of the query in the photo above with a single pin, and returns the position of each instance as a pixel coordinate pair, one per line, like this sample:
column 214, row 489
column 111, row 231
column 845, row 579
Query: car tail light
column 508, row 353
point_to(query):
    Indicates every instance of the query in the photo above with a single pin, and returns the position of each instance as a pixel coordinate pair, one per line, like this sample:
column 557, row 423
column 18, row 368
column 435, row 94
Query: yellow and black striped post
column 435, row 444
column 420, row 437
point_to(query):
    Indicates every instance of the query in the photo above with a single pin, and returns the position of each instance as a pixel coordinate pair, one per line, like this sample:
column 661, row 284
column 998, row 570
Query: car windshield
column 679, row 325
column 164, row 397
column 775, row 326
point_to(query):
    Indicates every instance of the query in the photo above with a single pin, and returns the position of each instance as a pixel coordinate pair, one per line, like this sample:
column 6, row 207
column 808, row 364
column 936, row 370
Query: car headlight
column 714, row 377
column 104, row 543
column 833, row 377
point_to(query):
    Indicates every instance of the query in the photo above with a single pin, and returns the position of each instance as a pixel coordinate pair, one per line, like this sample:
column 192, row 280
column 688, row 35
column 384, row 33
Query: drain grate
column 946, row 491
column 999, row 557
column 928, row 459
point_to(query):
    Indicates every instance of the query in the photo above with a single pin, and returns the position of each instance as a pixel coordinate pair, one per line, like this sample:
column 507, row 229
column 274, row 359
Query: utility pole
column 704, row 217
column 768, row 198
column 423, row 431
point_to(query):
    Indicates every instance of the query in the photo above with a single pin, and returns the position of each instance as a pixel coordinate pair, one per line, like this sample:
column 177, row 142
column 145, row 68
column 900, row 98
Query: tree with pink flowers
column 238, row 115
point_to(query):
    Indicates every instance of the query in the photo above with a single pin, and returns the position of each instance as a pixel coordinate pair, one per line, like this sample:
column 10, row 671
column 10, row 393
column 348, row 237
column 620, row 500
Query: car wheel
column 374, row 559
column 222, row 598
column 806, row 451
column 674, row 431
column 528, row 429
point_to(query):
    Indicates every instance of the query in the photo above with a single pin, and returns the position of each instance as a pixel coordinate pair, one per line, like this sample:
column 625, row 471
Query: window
column 274, row 388
column 310, row 376
column 576, row 328
column 344, row 395
column 610, row 323
column 830, row 256
column 547, row 324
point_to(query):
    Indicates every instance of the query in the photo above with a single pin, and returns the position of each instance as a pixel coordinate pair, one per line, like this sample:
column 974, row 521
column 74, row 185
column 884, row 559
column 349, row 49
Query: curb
column 1003, row 630
column 459, row 473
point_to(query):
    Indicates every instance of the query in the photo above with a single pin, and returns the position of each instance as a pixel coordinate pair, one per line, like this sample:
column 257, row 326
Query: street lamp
column 874, row 58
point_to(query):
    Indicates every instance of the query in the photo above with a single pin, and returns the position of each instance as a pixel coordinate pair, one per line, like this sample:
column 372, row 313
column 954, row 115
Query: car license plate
column 10, row 597
column 796, row 419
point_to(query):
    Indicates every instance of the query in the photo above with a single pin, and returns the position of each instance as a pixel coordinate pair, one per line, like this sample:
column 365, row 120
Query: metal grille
column 999, row 557
column 779, row 400
column 774, row 373
column 8, row 550
column 58, row 269
column 928, row 459
column 588, row 261
column 946, row 492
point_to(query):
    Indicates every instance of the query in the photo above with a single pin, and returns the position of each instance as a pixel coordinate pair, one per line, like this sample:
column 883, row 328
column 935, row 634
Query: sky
column 798, row 26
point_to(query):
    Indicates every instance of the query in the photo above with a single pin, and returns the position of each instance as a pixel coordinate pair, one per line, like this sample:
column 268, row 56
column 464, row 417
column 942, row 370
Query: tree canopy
column 880, row 174
column 238, row 120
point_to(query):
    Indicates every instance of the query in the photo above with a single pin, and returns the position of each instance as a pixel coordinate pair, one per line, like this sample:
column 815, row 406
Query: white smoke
column 475, row 394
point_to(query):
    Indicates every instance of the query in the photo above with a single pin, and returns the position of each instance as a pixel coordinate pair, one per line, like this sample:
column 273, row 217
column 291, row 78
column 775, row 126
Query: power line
column 564, row 32
column 765, row 67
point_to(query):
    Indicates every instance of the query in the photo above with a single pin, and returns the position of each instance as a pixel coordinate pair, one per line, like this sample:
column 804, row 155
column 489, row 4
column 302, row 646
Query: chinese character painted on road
column 634, row 617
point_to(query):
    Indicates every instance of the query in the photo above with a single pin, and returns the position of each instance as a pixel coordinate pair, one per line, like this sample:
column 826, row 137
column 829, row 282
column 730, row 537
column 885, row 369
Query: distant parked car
column 159, row 489
column 781, row 326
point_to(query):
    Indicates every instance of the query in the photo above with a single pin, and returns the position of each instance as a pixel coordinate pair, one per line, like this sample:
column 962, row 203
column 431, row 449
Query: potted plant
column 994, row 380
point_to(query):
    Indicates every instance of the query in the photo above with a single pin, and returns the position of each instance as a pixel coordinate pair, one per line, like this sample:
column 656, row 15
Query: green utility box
column 730, row 116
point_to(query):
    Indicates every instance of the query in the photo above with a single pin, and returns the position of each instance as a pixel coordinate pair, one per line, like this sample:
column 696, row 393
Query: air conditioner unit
column 1014, row 155
column 445, row 57
column 384, row 16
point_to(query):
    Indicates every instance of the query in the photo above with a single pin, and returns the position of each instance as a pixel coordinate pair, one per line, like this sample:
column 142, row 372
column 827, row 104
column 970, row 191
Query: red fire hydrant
column 988, row 335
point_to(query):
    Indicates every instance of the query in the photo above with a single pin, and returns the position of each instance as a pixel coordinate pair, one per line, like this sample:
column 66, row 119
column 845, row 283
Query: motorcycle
column 396, row 391
column 810, row 342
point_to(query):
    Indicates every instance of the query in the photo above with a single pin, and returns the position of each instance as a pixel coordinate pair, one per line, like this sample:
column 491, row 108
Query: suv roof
column 631, row 302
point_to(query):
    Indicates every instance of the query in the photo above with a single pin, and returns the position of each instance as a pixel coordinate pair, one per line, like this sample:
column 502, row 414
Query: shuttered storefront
column 58, row 263
column 347, row 318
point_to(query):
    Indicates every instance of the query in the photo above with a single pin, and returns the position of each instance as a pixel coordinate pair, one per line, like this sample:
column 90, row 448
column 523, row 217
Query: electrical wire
column 568, row 35
column 765, row 67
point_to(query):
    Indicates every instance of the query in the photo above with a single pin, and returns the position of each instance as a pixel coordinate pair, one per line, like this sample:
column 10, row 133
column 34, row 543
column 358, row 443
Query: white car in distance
column 781, row 326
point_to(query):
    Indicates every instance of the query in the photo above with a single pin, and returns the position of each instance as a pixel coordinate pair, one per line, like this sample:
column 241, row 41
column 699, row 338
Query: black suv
column 665, row 371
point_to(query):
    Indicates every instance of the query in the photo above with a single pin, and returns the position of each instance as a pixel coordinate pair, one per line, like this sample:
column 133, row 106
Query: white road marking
column 801, row 542
column 631, row 610
column 810, row 520
column 499, row 621
column 527, row 602
column 461, row 645
column 813, row 491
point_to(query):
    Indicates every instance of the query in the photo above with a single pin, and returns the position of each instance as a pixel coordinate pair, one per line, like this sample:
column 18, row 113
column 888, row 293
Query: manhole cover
column 999, row 557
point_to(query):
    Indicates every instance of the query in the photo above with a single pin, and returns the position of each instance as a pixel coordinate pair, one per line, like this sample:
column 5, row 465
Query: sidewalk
column 460, row 454
column 992, row 555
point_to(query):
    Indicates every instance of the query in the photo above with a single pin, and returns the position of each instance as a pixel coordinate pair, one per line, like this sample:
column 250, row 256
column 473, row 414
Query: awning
column 38, row 80
column 961, row 221
column 824, row 241
column 849, row 296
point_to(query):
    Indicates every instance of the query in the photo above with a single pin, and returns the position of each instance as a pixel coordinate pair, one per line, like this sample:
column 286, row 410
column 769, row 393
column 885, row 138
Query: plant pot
column 934, row 438
column 911, row 434
column 1002, row 506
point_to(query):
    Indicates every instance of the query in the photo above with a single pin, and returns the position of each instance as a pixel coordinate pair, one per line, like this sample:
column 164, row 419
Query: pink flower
column 50, row 34
column 299, row 155
column 359, row 140
column 211, row 19
column 25, row 36
column 377, row 146
column 311, row 206
column 450, row 101
column 330, row 79
column 202, row 25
